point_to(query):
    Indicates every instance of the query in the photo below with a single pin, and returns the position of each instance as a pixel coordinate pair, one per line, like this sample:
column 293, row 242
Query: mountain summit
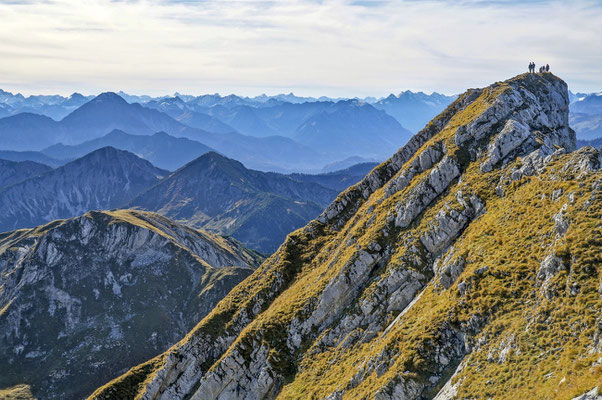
column 104, row 179
column 467, row 264
column 85, row 298
column 218, row 193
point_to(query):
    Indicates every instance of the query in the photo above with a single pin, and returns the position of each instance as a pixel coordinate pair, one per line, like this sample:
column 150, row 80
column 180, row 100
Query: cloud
column 332, row 47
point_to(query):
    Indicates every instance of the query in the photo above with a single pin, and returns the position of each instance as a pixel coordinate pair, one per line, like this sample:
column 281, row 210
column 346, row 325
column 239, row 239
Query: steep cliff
column 467, row 265
column 82, row 300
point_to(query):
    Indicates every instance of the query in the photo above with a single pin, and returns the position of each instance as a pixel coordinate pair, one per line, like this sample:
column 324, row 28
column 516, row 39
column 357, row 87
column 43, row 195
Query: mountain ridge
column 103, row 179
column 146, row 281
column 220, row 194
column 162, row 150
column 12, row 172
column 420, row 272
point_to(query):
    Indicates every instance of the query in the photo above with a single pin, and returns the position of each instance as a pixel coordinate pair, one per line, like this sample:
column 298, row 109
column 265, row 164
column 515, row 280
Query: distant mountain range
column 212, row 191
column 161, row 149
column 284, row 133
column 53, row 106
column 257, row 208
column 182, row 112
column 34, row 156
column 349, row 128
column 84, row 299
column 104, row 179
column 414, row 110
column 597, row 143
column 586, row 116
column 12, row 172
column 108, row 111
column 336, row 129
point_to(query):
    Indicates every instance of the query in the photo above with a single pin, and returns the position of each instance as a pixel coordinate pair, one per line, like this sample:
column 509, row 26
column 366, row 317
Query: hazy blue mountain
column 593, row 143
column 352, row 128
column 220, row 194
column 338, row 180
column 346, row 163
column 586, row 126
column 286, row 118
column 12, row 172
column 274, row 119
column 244, row 119
column 588, row 104
column 53, row 106
column 29, row 131
column 414, row 110
column 34, row 156
column 176, row 108
column 108, row 111
column 161, row 149
column 103, row 179
column 321, row 126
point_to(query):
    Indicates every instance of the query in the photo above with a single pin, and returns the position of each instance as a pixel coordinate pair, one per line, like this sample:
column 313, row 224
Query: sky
column 338, row 48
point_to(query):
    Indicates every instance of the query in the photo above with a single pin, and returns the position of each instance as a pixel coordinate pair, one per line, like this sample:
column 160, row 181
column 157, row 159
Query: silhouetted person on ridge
column 530, row 67
column 547, row 67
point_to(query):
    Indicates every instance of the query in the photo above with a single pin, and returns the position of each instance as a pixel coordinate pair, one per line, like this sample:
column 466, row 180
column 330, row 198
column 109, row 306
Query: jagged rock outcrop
column 593, row 394
column 82, row 300
column 430, row 278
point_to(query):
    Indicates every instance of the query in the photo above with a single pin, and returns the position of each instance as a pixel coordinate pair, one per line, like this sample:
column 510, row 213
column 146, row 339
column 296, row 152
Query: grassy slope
column 510, row 239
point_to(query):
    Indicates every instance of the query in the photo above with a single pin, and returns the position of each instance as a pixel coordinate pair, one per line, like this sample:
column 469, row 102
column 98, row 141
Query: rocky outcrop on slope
column 426, row 279
column 82, row 300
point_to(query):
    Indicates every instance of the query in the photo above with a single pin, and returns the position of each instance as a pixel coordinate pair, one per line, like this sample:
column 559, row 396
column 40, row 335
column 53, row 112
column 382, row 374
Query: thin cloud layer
column 312, row 47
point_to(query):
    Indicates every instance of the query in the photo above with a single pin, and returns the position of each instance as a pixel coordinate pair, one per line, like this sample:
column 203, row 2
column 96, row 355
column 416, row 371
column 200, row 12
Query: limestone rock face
column 593, row 394
column 461, row 256
column 84, row 299
column 514, row 135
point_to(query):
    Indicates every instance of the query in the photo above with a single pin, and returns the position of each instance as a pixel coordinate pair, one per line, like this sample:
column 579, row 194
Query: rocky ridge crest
column 467, row 263
column 83, row 299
